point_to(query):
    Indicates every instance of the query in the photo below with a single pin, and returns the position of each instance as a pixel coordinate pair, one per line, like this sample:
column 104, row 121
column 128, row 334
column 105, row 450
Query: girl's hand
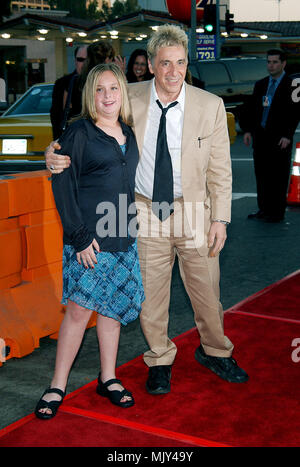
column 87, row 257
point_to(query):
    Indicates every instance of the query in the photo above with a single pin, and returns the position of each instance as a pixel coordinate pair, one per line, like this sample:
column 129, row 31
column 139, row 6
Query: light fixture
column 69, row 39
column 39, row 38
column 224, row 33
column 244, row 34
column 264, row 36
column 113, row 33
column 154, row 28
column 43, row 31
column 138, row 38
column 103, row 37
column 143, row 36
column 199, row 30
column 82, row 34
column 5, row 35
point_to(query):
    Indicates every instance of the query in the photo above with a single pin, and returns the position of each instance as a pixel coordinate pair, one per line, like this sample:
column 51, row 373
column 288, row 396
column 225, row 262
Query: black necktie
column 163, row 173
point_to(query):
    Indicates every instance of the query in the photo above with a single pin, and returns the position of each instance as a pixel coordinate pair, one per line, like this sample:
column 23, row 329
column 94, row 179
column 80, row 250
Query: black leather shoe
column 256, row 215
column 225, row 367
column 159, row 378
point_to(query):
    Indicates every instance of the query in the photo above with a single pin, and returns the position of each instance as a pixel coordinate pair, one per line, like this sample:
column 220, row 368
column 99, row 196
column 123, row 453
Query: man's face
column 80, row 59
column 275, row 66
column 169, row 67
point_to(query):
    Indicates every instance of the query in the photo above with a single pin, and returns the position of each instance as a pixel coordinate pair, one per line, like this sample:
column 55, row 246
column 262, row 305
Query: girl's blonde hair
column 89, row 92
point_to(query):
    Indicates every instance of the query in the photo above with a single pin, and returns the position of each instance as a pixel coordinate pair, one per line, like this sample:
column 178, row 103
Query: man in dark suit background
column 62, row 86
column 269, row 120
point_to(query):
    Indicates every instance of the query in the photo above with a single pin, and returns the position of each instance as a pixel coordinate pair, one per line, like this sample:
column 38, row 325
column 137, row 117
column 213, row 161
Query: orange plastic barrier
column 30, row 264
column 293, row 196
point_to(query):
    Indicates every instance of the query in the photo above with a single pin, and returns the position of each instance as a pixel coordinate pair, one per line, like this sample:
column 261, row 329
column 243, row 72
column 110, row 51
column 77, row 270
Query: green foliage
column 119, row 8
column 131, row 6
column 78, row 8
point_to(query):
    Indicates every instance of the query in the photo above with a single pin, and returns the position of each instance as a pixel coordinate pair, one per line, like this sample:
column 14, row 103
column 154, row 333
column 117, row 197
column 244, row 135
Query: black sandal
column 114, row 396
column 52, row 405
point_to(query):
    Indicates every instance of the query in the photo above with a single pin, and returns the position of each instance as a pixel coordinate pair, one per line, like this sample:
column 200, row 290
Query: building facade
column 19, row 5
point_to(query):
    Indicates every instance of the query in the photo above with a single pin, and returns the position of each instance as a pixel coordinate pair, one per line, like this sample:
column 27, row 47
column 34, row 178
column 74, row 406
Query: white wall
column 265, row 10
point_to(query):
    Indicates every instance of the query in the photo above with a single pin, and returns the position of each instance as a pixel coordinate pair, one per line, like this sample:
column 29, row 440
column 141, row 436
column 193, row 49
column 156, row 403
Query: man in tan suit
column 195, row 227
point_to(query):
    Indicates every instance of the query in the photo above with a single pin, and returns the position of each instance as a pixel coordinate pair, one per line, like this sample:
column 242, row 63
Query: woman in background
column 138, row 69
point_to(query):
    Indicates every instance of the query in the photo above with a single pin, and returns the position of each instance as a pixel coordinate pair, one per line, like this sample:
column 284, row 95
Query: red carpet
column 279, row 300
column 202, row 409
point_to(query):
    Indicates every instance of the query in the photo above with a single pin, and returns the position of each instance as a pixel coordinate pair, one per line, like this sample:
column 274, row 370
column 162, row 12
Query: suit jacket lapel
column 139, row 99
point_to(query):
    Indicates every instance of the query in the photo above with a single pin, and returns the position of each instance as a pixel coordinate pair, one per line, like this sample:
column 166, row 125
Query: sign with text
column 206, row 46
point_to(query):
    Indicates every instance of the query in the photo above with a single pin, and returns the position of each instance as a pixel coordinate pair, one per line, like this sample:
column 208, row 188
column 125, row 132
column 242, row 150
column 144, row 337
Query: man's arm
column 218, row 173
column 219, row 182
column 56, row 163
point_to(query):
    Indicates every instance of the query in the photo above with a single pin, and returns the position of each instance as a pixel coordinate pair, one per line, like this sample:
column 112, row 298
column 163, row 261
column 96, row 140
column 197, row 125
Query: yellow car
column 25, row 128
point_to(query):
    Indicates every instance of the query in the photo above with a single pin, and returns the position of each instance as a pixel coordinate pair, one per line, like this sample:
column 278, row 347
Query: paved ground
column 256, row 255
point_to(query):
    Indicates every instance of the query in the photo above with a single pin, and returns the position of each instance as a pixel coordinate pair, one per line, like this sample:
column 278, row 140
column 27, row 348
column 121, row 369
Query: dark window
column 248, row 70
column 37, row 101
column 213, row 73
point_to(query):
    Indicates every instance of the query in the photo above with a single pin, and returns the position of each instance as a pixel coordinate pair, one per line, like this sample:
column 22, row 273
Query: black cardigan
column 87, row 193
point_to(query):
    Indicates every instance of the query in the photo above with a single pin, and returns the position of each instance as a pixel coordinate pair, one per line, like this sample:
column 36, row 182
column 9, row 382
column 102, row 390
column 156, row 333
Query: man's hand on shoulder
column 56, row 163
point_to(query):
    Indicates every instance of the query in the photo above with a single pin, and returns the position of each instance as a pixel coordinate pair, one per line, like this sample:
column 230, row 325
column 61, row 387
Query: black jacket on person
column 87, row 193
column 282, row 119
column 271, row 161
column 57, row 108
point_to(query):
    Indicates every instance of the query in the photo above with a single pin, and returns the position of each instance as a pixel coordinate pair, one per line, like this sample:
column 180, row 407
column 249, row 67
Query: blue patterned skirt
column 113, row 288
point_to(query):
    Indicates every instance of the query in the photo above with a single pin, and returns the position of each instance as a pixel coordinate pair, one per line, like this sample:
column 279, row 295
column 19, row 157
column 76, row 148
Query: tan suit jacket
column 206, row 165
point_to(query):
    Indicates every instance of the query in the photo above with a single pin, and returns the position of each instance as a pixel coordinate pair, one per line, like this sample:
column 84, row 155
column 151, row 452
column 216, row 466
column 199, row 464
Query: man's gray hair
column 167, row 35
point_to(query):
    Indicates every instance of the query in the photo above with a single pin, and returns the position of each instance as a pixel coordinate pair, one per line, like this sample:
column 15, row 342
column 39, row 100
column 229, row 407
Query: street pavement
column 256, row 255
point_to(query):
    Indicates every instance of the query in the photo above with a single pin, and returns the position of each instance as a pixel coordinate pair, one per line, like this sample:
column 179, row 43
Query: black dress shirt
column 87, row 194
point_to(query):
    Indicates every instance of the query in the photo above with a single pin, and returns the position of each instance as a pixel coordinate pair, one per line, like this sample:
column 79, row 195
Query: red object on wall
column 182, row 10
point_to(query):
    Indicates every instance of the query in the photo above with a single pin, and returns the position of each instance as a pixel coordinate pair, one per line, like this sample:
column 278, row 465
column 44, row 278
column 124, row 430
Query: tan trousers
column 200, row 275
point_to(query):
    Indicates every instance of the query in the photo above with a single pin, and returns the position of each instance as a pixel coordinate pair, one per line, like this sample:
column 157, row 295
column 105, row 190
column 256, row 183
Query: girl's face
column 139, row 66
column 108, row 97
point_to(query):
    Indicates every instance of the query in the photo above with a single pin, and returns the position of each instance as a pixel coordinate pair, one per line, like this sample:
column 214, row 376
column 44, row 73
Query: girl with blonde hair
column 100, row 266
